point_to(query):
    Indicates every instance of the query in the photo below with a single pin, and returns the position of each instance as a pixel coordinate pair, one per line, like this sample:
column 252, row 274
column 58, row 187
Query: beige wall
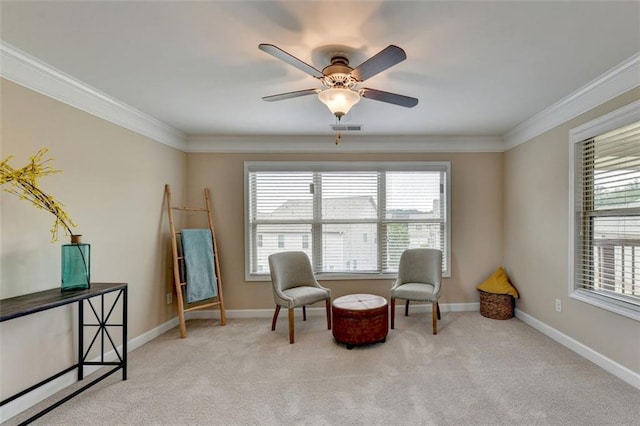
column 476, row 221
column 509, row 208
column 112, row 186
column 536, row 182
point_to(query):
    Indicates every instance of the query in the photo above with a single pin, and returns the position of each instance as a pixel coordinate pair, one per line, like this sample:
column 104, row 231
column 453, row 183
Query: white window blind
column 350, row 218
column 607, row 216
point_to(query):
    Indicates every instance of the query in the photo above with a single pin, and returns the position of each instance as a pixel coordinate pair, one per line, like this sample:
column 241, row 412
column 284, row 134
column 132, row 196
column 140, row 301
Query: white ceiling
column 478, row 68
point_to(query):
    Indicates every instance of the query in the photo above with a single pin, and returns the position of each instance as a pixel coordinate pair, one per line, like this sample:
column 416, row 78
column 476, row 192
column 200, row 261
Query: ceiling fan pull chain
column 338, row 136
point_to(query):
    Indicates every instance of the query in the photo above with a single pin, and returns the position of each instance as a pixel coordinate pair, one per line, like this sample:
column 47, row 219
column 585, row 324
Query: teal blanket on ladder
column 197, row 249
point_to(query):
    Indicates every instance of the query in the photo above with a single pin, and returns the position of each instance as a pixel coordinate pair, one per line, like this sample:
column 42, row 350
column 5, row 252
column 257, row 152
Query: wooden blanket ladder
column 178, row 258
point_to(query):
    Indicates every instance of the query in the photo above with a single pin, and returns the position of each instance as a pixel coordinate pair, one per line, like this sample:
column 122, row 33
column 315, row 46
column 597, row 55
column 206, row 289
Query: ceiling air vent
column 346, row 127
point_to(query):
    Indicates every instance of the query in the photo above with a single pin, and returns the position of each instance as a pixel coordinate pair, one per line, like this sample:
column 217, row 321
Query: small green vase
column 76, row 260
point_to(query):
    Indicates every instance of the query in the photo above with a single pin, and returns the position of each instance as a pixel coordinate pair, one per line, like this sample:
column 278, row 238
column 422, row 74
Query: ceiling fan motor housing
column 338, row 74
column 338, row 64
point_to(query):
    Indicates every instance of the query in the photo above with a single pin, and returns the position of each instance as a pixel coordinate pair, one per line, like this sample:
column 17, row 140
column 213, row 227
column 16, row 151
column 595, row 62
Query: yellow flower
column 24, row 184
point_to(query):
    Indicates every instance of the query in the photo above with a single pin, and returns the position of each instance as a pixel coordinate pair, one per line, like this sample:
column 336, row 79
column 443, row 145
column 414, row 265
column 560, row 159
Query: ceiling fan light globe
column 339, row 100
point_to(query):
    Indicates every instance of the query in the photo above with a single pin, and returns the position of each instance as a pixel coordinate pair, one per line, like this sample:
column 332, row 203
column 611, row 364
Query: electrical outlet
column 169, row 298
column 558, row 305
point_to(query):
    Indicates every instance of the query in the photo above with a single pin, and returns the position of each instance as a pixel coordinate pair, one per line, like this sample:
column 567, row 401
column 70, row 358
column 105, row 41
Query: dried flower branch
column 24, row 184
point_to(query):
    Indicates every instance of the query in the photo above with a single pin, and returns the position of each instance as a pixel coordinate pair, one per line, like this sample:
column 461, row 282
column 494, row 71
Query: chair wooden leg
column 275, row 318
column 291, row 325
column 328, row 305
column 434, row 316
column 406, row 309
column 393, row 312
column 438, row 306
column 304, row 313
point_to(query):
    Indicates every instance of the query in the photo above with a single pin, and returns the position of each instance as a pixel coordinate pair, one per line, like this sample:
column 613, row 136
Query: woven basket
column 496, row 306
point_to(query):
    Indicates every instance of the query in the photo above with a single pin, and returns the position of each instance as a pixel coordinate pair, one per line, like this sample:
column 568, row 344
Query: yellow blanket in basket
column 498, row 283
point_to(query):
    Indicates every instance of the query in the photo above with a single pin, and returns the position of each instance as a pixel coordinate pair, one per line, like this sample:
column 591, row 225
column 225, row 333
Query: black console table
column 28, row 304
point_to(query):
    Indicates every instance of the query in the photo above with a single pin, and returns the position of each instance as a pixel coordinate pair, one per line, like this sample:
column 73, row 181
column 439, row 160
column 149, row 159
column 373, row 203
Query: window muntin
column 350, row 218
column 606, row 216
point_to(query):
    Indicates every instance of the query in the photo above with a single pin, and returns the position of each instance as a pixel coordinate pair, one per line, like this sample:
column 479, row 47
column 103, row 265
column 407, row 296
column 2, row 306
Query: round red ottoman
column 360, row 319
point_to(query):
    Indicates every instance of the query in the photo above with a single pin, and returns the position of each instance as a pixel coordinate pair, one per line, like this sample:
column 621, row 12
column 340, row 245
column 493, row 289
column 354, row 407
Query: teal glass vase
column 76, row 262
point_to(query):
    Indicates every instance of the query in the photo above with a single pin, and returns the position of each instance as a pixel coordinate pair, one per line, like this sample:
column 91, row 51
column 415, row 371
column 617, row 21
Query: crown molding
column 348, row 143
column 620, row 117
column 25, row 70
column 614, row 82
column 21, row 68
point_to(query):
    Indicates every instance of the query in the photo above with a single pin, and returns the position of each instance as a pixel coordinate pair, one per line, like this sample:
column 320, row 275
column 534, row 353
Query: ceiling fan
column 341, row 81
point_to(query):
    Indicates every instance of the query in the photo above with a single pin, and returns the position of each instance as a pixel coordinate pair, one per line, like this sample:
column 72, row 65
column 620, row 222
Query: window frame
column 592, row 129
column 328, row 166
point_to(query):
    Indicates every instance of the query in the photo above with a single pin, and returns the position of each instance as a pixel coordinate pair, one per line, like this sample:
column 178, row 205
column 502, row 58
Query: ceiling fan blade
column 384, row 59
column 290, row 59
column 391, row 98
column 290, row 95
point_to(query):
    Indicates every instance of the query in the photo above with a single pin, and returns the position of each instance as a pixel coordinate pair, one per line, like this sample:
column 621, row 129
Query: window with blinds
column 350, row 218
column 606, row 205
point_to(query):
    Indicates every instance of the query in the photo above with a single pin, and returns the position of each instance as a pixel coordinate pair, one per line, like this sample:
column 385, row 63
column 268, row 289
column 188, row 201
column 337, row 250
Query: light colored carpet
column 476, row 371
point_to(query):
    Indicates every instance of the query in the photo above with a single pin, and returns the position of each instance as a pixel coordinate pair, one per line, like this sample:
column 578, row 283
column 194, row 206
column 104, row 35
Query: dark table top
column 26, row 304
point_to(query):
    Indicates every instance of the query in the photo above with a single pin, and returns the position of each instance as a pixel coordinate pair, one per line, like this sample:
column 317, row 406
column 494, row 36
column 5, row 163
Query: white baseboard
column 151, row 334
column 320, row 311
column 444, row 307
column 597, row 358
column 27, row 401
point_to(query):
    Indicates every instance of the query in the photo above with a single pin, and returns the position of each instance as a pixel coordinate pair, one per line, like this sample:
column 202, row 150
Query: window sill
column 337, row 277
column 332, row 277
column 607, row 303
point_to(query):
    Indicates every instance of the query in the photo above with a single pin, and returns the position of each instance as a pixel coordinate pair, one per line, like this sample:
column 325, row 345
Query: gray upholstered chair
column 419, row 279
column 294, row 285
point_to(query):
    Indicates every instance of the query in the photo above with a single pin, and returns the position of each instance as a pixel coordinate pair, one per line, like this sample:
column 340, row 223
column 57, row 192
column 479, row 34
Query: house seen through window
column 606, row 223
column 350, row 218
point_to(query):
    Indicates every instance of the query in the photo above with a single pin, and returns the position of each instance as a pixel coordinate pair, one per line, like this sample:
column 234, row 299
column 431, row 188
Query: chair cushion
column 415, row 291
column 498, row 283
column 304, row 295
